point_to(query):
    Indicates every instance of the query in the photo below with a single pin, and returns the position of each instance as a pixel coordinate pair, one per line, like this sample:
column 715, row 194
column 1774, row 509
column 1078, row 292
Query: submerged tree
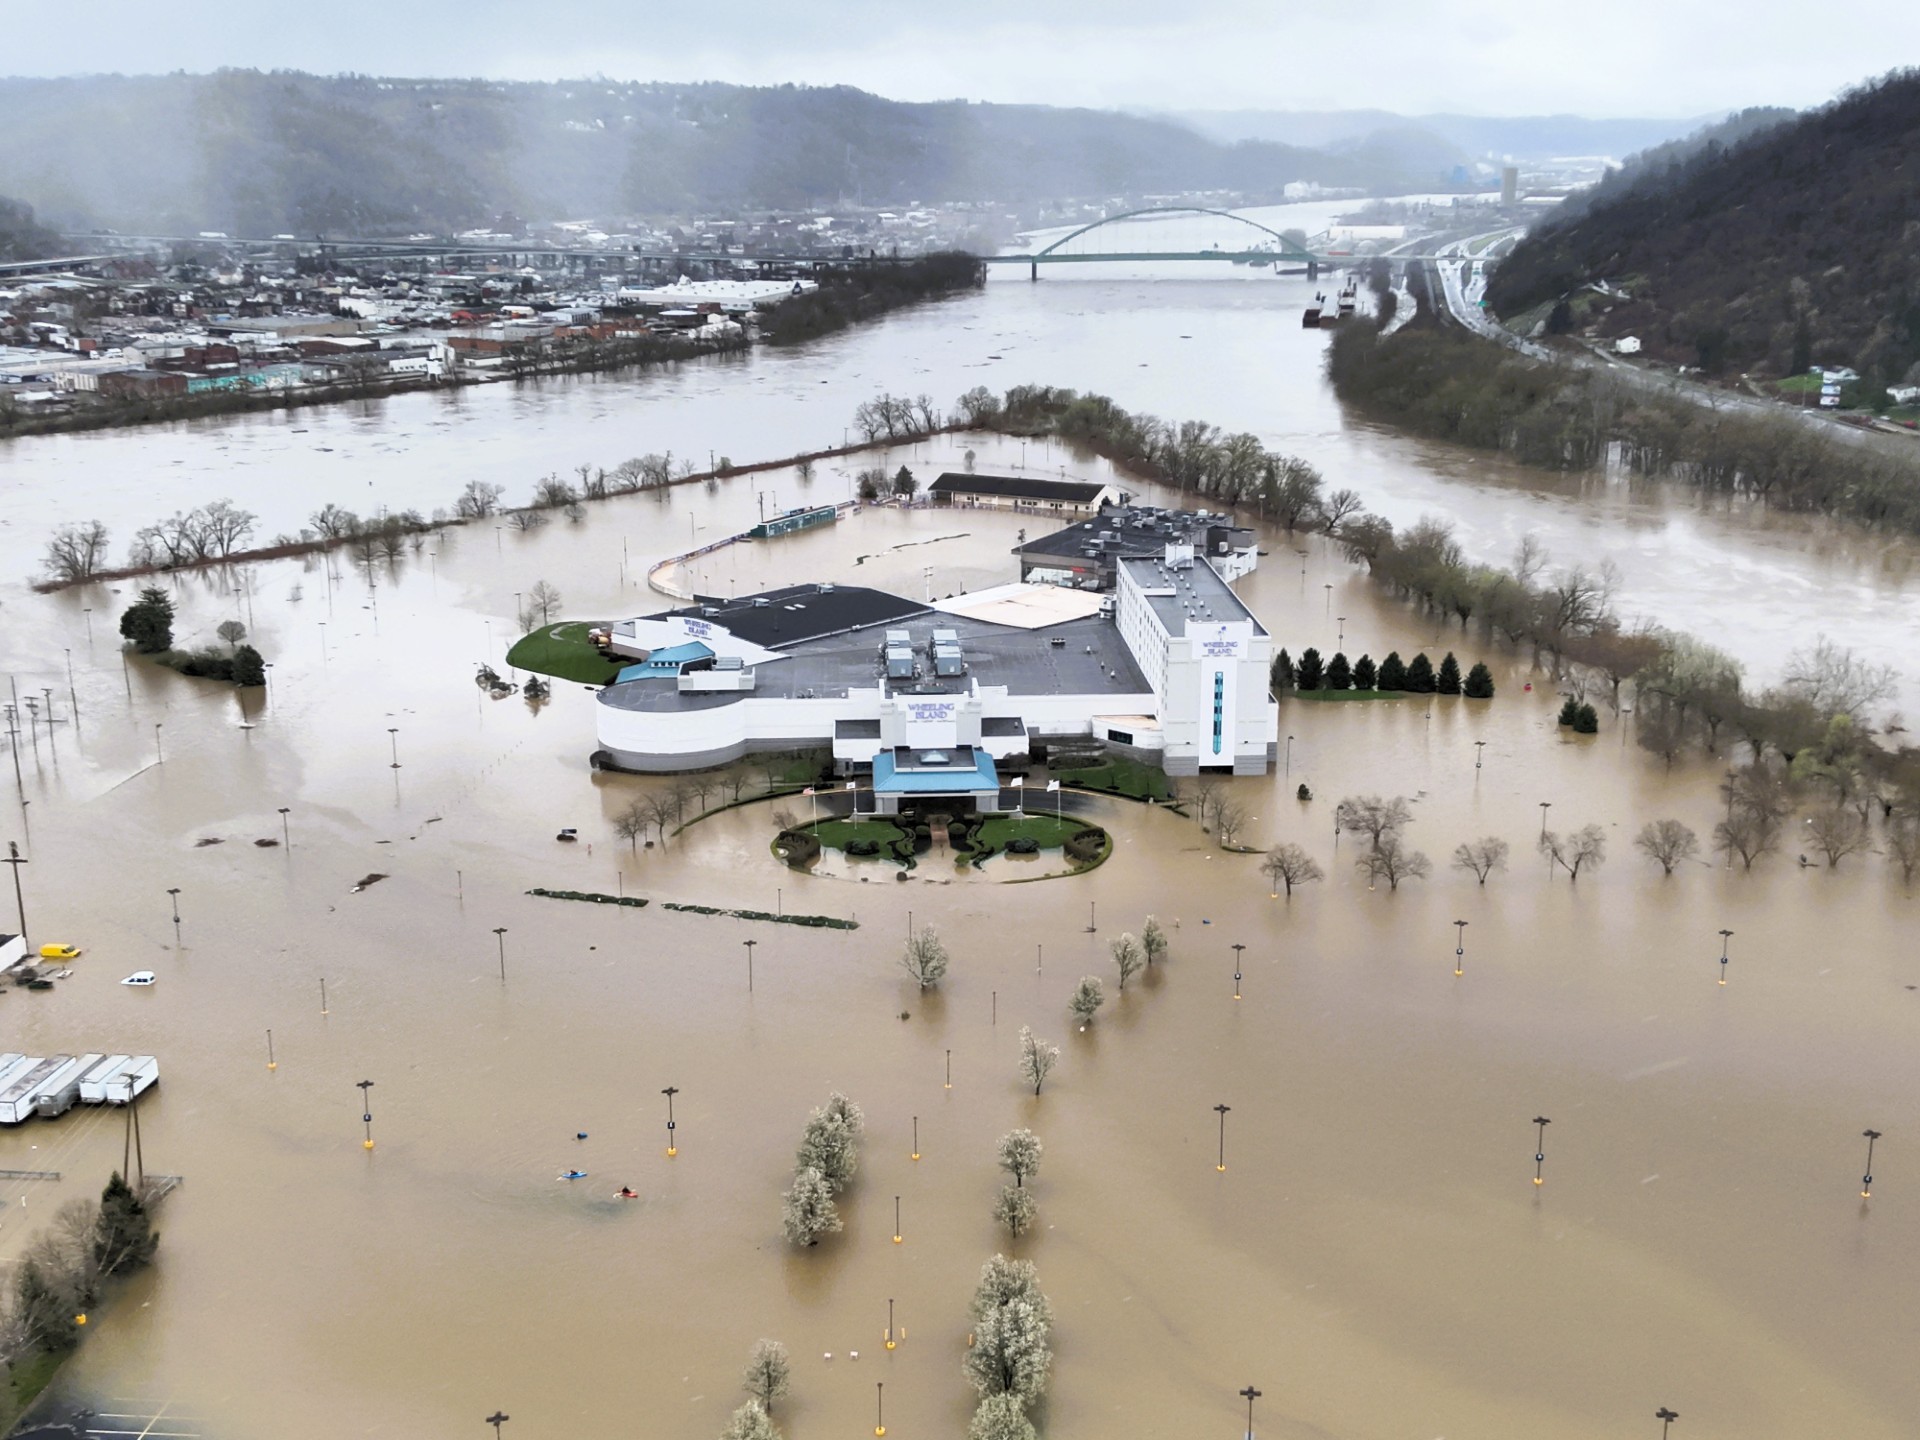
column 1015, row 1209
column 807, row 1210
column 1001, row 1417
column 1584, row 848
column 1037, row 1059
column 1482, row 856
column 1012, row 1322
column 1837, row 832
column 1393, row 862
column 1668, row 841
column 1372, row 816
column 750, row 1422
column 827, row 1144
column 925, row 958
column 1289, row 865
column 1903, row 845
column 123, row 1236
column 1128, row 958
column 1086, row 1000
column 1748, row 834
column 1153, row 941
column 767, row 1373
column 1020, row 1155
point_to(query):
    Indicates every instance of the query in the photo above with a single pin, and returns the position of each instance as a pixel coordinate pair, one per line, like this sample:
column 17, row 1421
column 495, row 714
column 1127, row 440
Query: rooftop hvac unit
column 826, row 587
column 761, row 604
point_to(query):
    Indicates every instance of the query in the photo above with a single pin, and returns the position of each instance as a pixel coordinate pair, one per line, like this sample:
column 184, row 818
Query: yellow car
column 59, row 952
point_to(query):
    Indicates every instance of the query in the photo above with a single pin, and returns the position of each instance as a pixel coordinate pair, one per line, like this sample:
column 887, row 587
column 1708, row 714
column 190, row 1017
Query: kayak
column 572, row 1175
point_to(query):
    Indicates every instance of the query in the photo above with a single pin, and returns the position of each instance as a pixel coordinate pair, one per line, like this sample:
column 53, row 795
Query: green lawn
column 562, row 651
column 1049, row 832
column 30, row 1376
column 1798, row 384
column 1121, row 776
column 835, row 834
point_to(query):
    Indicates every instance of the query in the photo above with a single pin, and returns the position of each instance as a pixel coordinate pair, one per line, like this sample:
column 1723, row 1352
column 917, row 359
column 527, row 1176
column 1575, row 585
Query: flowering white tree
column 1020, row 1154
column 925, row 958
column 1037, row 1059
column 767, row 1374
column 1012, row 1322
column 1128, row 957
column 1087, row 999
column 807, row 1210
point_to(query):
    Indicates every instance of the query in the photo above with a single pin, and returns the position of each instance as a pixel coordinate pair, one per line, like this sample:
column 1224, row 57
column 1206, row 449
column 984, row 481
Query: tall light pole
column 1866, row 1180
column 1545, row 805
column 1666, row 1418
column 393, row 740
column 1341, row 641
column 1221, row 1164
column 892, row 1339
column 158, row 757
column 500, row 936
column 1725, row 935
column 915, row 1154
column 286, row 835
column 670, row 1092
column 1250, row 1395
column 749, row 944
column 1236, row 969
column 366, row 1109
column 1459, row 948
column 1540, row 1123
column 896, row 1225
column 1289, row 755
column 173, row 893
column 879, row 1407
column 497, row 1419
column 1479, row 753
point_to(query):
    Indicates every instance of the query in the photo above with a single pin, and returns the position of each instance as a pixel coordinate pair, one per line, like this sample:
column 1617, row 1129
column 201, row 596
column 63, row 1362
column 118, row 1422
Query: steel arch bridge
column 1271, row 248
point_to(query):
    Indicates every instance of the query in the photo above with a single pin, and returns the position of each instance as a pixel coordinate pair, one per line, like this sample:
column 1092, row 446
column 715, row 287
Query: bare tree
column 1335, row 509
column 224, row 528
column 1835, row 681
column 1482, row 856
column 1128, row 958
column 925, row 958
column 1748, row 834
column 231, row 631
column 735, row 779
column 1205, row 794
column 1229, row 818
column 701, row 787
column 478, row 500
column 1373, row 817
column 1837, row 832
column 1585, row 847
column 77, row 552
column 1289, row 865
column 661, row 807
column 543, row 600
column 526, row 519
column 1391, row 861
column 1667, row 841
column 1037, row 1059
column 631, row 824
column 1903, row 845
column 552, row 493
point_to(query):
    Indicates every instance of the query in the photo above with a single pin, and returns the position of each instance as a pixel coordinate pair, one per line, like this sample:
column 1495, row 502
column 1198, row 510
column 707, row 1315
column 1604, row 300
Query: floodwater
column 1375, row 1258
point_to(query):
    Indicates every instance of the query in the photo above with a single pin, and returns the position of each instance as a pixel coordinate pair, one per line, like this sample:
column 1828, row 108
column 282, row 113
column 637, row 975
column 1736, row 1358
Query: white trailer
column 93, row 1085
column 13, row 1063
column 61, row 1089
column 139, row 1075
column 17, row 1098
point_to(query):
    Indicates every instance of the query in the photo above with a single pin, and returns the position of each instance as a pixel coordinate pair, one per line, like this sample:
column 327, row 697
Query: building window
column 1219, row 708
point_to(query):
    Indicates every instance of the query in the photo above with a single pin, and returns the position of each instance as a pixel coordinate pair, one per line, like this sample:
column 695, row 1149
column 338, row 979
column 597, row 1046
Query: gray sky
column 1489, row 57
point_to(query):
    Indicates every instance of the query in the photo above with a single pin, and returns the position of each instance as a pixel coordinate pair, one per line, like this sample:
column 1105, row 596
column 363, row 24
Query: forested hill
column 1798, row 244
column 20, row 237
column 255, row 153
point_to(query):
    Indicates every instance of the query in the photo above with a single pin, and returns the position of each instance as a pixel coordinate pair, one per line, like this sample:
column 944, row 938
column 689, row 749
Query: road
column 1463, row 290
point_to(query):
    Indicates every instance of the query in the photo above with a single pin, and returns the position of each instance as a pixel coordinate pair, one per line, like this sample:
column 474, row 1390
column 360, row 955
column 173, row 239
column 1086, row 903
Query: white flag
column 1053, row 784
column 853, row 784
column 1017, row 782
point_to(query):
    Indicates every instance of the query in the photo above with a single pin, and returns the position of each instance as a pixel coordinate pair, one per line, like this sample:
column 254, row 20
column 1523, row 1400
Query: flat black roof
column 779, row 619
column 1017, row 487
column 1139, row 530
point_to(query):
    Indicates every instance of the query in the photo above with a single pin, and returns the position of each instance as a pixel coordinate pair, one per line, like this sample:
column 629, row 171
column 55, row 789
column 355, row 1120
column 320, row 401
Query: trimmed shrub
column 1569, row 711
column 1023, row 845
column 1586, row 721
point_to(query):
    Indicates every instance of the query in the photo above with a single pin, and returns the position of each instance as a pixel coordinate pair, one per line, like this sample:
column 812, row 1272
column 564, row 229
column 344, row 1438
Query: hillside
column 20, row 237
column 255, row 153
column 1797, row 244
column 1522, row 137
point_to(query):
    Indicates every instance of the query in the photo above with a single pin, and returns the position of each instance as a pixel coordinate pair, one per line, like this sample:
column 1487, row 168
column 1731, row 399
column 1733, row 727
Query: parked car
column 140, row 977
column 59, row 952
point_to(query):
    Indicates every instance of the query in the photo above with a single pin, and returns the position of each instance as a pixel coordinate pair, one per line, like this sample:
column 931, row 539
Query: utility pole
column 16, row 860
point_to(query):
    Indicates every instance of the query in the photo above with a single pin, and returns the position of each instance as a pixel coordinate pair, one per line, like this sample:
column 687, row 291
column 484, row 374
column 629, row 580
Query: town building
column 1171, row 669
column 1087, row 555
column 1053, row 499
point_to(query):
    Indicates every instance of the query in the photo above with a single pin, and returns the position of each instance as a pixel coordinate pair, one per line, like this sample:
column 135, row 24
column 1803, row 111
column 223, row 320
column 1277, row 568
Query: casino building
column 1165, row 666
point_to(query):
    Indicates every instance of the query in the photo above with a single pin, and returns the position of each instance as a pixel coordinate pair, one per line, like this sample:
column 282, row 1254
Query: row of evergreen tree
column 1417, row 676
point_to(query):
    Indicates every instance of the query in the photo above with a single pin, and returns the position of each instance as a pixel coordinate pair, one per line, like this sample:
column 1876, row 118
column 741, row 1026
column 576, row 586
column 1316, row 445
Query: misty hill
column 20, row 237
column 253, row 153
column 1526, row 137
column 1798, row 243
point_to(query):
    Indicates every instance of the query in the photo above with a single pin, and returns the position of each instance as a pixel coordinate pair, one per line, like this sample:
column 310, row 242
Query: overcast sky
column 1487, row 57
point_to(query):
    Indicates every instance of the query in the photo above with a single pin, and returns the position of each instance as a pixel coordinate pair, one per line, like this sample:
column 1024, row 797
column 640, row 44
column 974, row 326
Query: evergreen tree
column 1280, row 673
column 148, row 622
column 1479, row 683
column 1307, row 674
column 123, row 1237
column 1448, row 681
column 1393, row 674
column 1586, row 721
column 1568, row 710
column 1364, row 673
column 1420, row 675
column 248, row 666
column 1339, row 673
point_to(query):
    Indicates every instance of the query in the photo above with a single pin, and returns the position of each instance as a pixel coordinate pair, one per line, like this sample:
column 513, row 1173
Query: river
column 1375, row 1258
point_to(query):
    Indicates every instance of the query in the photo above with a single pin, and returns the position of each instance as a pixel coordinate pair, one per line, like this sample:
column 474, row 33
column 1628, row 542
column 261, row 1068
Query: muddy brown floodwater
column 1375, row 1257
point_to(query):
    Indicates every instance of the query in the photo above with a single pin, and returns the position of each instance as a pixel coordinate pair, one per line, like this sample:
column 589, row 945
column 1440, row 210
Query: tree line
column 866, row 292
column 63, row 1272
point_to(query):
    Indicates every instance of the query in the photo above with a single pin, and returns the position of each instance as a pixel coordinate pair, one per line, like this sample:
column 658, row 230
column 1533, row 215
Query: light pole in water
column 1725, row 935
column 497, row 1419
column 366, row 1109
column 1221, row 1164
column 892, row 1339
column 393, row 740
column 1236, row 970
column 1479, row 752
column 1250, row 1395
column 1666, row 1418
column 879, row 1407
column 1341, row 641
column 1866, row 1180
column 500, row 935
column 670, row 1092
column 1289, row 755
column 1545, row 805
column 1459, row 948
column 173, row 893
column 286, row 835
column 749, row 944
column 896, row 1222
column 1540, row 1123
